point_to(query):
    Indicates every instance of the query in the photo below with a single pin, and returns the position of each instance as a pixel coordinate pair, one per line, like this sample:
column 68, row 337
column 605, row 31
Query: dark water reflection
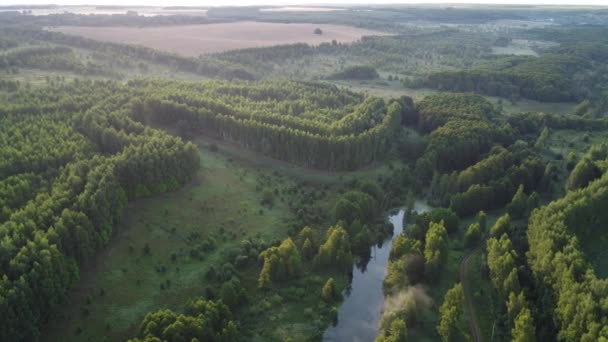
column 360, row 313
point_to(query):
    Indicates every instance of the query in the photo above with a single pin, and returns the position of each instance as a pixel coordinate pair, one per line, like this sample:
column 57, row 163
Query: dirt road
column 468, row 295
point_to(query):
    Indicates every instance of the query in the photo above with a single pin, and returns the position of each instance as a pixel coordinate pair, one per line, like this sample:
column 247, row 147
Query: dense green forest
column 82, row 163
column 237, row 196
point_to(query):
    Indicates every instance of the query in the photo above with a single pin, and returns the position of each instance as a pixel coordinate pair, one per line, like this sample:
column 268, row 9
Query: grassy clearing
column 485, row 303
column 275, row 166
column 483, row 299
column 563, row 141
column 123, row 283
column 221, row 198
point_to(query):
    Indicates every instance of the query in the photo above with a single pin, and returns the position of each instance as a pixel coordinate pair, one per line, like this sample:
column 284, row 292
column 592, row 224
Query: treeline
column 124, row 19
column 576, row 294
column 591, row 166
column 50, row 58
column 357, row 72
column 571, row 71
column 300, row 123
column 82, row 172
column 544, row 78
column 534, row 122
column 505, row 270
column 414, row 52
column 207, row 66
column 490, row 183
column 6, row 43
column 462, row 128
column 203, row 320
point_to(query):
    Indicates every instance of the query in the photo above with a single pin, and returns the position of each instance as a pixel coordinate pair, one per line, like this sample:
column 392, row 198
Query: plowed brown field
column 194, row 40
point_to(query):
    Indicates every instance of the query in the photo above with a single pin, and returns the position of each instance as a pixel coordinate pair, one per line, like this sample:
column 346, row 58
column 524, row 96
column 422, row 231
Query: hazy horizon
column 292, row 3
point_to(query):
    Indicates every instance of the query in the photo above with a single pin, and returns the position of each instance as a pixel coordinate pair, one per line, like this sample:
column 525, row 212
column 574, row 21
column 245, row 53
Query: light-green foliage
column 280, row 263
column 502, row 265
column 473, row 235
column 524, row 330
column 335, row 252
column 450, row 314
column 329, row 292
column 518, row 206
column 435, row 250
column 501, row 226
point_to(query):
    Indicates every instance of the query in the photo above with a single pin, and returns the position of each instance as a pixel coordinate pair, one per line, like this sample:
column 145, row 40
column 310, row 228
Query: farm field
column 195, row 40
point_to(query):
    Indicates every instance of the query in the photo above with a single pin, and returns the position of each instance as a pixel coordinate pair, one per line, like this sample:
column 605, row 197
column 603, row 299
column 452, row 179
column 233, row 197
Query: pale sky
column 293, row 2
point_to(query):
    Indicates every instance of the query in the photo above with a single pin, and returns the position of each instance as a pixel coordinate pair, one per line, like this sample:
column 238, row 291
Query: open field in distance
column 145, row 11
column 301, row 9
column 194, row 40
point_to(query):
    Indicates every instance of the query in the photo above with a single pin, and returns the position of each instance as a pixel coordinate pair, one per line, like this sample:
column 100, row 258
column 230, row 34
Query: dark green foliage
column 590, row 167
column 519, row 204
column 308, row 251
column 309, row 124
column 482, row 219
column 447, row 216
column 203, row 321
column 462, row 126
column 358, row 72
column 499, row 176
column 533, row 123
column 232, row 293
column 50, row 58
column 473, row 235
column 355, row 205
column 89, row 181
column 558, row 262
column 436, row 110
column 543, row 79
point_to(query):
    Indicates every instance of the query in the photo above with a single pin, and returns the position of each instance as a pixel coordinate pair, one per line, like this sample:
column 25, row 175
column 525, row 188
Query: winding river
column 360, row 313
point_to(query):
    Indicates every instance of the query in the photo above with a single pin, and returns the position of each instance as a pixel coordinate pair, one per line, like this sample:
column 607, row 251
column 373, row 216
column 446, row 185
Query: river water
column 360, row 313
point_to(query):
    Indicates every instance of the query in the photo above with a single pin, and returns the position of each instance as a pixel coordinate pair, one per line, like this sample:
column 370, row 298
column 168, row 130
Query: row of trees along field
column 317, row 126
column 50, row 58
column 572, row 70
column 70, row 162
column 207, row 66
column 539, row 78
column 414, row 52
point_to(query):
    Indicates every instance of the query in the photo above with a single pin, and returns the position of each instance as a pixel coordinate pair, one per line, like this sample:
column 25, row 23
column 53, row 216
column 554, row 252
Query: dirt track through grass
column 468, row 295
